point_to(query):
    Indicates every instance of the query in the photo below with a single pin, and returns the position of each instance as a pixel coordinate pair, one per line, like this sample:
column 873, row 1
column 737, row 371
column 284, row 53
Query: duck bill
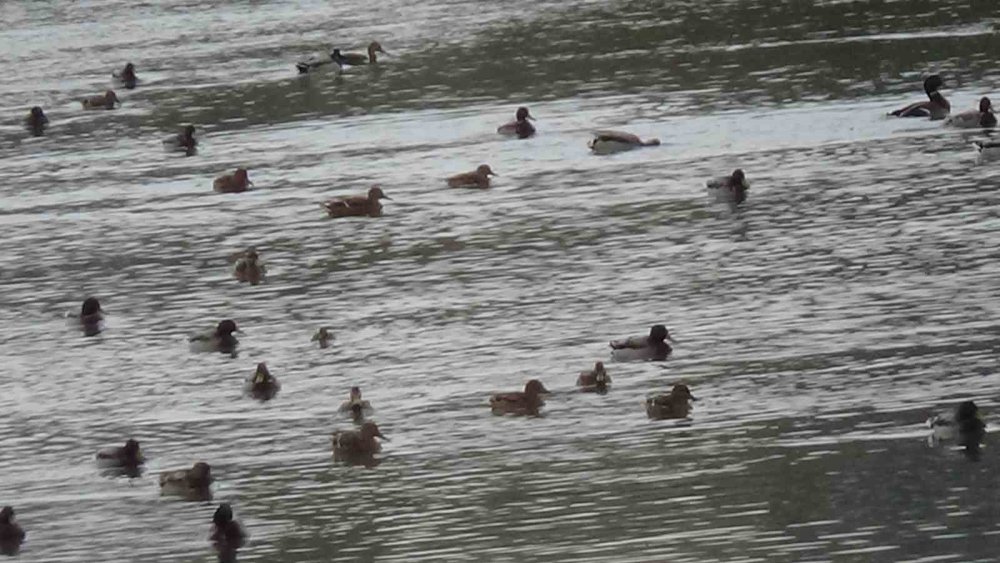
column 386, row 197
column 381, row 437
column 693, row 398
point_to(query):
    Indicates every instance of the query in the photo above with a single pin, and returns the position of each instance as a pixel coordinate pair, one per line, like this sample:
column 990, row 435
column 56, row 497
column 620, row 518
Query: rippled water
column 853, row 295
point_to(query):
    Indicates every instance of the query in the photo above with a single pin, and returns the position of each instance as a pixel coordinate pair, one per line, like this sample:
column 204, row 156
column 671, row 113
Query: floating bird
column 227, row 533
column 220, row 339
column 36, row 122
column 314, row 63
column 596, row 379
column 480, row 178
column 520, row 402
column 91, row 316
column 234, row 183
column 936, row 106
column 355, row 401
column 520, row 127
column 262, row 385
column 126, row 76
column 106, row 101
column 675, row 404
column 609, row 142
column 643, row 348
column 732, row 188
column 193, row 483
column 128, row 455
column 356, row 59
column 964, row 427
column 357, row 206
column 981, row 118
column 360, row 442
column 183, row 141
column 323, row 336
column 249, row 269
column 11, row 533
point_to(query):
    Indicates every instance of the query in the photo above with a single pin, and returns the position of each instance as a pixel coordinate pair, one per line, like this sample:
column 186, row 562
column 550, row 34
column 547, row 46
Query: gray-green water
column 852, row 296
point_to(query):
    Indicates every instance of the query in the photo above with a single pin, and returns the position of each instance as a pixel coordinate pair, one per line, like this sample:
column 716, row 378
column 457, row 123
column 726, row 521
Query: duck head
column 201, row 472
column 600, row 375
column 6, row 515
column 251, row 255
column 933, row 83
column 38, row 115
column 651, row 142
column 355, row 394
column 967, row 410
column 242, row 177
column 740, row 179
column 110, row 98
column 370, row 431
column 131, row 449
column 91, row 306
column 226, row 328
column 223, row 515
column 189, row 132
column 985, row 105
column 522, row 114
column 659, row 333
column 375, row 47
column 535, row 388
column 681, row 391
column 485, row 170
column 262, row 375
column 375, row 193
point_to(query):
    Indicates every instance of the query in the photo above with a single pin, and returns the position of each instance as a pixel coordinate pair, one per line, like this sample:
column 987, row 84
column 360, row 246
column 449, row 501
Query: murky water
column 853, row 295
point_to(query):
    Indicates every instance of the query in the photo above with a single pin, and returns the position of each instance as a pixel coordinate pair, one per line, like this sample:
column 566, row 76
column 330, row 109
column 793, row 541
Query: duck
column 964, row 426
column 653, row 347
column 234, row 183
column 128, row 455
column 520, row 127
column 359, row 442
column 520, row 402
column 126, row 76
column 936, row 107
column 183, row 141
column 989, row 149
column 323, row 336
column 357, row 206
column 262, row 385
column 596, row 379
column 91, row 316
column 675, row 404
column 314, row 63
column 356, row 59
column 609, row 142
column 36, row 122
column 199, row 477
column 982, row 118
column 355, row 401
column 479, row 178
column 11, row 533
column 226, row 531
column 104, row 101
column 731, row 188
column 249, row 269
column 220, row 339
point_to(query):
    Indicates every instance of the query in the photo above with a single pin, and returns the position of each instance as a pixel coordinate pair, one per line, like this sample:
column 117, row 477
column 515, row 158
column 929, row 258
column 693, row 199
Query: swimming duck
column 730, row 188
column 608, row 142
column 91, row 317
column 220, row 339
column 520, row 127
column 982, row 118
column 354, row 401
column 183, row 141
column 936, row 106
column 480, row 178
column 520, row 402
column 198, row 477
column 357, row 206
column 675, row 404
column 643, row 348
column 36, row 122
column 106, row 101
column 596, row 379
column 11, row 533
column 360, row 442
column 355, row 59
column 262, row 385
column 234, row 183
column 128, row 455
column 126, row 76
column 323, row 336
column 965, row 427
column 226, row 531
column 249, row 269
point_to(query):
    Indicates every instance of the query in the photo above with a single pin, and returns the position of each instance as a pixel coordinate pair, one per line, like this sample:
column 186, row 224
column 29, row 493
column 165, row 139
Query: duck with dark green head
column 128, row 455
column 643, row 348
column 220, row 339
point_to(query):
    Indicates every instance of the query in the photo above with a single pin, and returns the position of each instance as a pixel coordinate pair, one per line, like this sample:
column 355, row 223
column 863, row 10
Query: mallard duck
column 936, row 106
column 520, row 127
column 91, row 316
column 249, row 269
column 520, row 402
column 183, row 141
column 965, row 426
column 220, row 339
column 643, row 348
column 36, row 122
column 608, row 142
column 198, row 477
column 126, row 76
column 357, row 206
column 226, row 531
column 105, row 101
column 234, row 183
column 262, row 385
column 360, row 442
column 675, row 404
column 982, row 118
column 732, row 188
column 596, row 379
column 355, row 59
column 128, row 455
column 323, row 336
column 354, row 401
column 480, row 178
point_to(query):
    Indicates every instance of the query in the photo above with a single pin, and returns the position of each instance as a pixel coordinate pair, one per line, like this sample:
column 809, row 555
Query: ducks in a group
column 323, row 336
column 220, row 339
column 11, row 533
column 982, row 118
column 103, row 101
column 361, row 442
column 91, row 316
column 249, row 269
column 126, row 76
column 964, row 426
column 653, row 347
column 732, row 188
column 129, row 455
column 36, row 122
column 227, row 533
column 521, row 127
column 520, row 402
column 357, row 206
column 609, row 142
column 675, row 404
column 183, row 141
column 262, row 385
column 237, row 182
column 936, row 106
column 478, row 178
column 191, row 483
column 596, row 379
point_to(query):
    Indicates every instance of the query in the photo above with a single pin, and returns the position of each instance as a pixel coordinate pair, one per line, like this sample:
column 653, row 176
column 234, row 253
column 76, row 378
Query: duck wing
column 632, row 342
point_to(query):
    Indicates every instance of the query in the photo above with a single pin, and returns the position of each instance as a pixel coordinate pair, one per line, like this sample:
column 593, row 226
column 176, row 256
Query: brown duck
column 520, row 402
column 357, row 206
column 104, row 101
column 675, row 404
column 479, row 178
column 234, row 183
